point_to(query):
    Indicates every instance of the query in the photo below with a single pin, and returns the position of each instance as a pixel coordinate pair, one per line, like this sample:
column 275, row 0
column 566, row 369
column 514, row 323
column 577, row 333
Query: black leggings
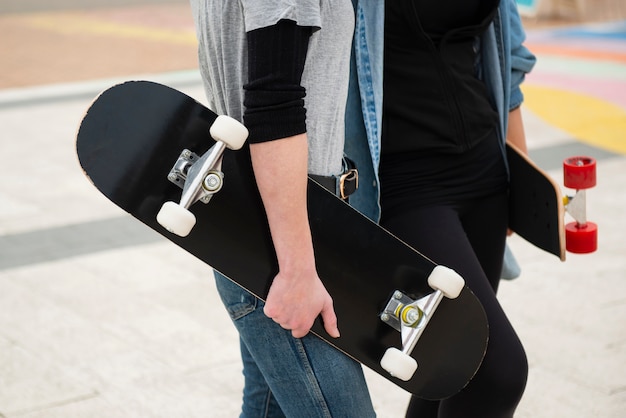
column 470, row 238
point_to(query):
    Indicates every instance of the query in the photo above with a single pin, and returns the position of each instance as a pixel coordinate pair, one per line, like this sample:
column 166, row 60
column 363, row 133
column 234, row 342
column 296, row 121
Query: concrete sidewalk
column 99, row 317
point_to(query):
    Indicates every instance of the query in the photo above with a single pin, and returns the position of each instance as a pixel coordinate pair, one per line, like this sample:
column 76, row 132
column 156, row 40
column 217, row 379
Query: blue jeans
column 290, row 377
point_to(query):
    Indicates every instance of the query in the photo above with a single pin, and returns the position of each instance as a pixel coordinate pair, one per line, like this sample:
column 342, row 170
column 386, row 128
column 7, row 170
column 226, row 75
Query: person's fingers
column 330, row 320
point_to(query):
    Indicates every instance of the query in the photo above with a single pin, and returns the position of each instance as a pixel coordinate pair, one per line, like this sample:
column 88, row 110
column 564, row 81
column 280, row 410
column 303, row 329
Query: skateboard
column 185, row 172
column 537, row 206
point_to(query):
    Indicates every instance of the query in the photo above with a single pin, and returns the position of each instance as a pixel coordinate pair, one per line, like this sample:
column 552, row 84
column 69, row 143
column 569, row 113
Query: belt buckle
column 351, row 175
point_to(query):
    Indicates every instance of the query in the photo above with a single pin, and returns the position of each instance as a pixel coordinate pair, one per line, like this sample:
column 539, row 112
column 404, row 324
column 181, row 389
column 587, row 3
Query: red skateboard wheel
column 581, row 239
column 579, row 172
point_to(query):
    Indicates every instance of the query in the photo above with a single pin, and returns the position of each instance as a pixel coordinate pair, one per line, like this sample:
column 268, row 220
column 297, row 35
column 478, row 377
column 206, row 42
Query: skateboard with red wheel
column 186, row 173
column 537, row 206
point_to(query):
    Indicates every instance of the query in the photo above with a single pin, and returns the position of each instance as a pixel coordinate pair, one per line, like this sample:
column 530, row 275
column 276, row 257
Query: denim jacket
column 504, row 61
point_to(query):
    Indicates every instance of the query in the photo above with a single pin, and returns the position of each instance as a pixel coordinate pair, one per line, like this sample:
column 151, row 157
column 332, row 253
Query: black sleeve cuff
column 274, row 97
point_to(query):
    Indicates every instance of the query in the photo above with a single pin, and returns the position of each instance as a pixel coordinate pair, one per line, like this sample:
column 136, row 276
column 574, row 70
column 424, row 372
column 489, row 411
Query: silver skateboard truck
column 200, row 177
column 411, row 317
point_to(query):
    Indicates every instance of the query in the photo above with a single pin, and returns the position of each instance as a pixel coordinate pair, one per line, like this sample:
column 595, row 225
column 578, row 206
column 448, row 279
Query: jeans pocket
column 238, row 301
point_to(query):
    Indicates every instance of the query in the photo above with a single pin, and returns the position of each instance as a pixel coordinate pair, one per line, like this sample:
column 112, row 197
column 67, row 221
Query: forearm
column 515, row 132
column 280, row 168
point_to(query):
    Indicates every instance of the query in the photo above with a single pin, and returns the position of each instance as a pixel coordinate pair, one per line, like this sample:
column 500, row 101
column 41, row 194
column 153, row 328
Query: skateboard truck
column 410, row 317
column 189, row 164
column 579, row 173
column 200, row 177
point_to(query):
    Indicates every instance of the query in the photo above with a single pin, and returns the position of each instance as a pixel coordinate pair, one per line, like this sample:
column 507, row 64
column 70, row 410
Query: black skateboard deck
column 127, row 143
column 537, row 212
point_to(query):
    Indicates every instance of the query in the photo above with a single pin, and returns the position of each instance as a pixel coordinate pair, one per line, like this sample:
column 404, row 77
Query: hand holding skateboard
column 140, row 143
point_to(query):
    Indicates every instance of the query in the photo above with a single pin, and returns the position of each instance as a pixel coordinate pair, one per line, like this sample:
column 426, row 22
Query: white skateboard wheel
column 176, row 219
column 398, row 364
column 229, row 131
column 446, row 280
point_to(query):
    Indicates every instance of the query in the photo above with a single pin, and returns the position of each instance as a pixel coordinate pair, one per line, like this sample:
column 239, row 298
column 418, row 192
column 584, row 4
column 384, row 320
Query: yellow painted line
column 588, row 119
column 79, row 25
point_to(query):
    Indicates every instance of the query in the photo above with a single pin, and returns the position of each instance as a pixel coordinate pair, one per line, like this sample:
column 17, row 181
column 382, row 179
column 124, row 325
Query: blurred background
column 100, row 317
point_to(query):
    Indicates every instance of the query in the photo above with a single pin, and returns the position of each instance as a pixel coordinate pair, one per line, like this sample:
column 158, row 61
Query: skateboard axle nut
column 212, row 182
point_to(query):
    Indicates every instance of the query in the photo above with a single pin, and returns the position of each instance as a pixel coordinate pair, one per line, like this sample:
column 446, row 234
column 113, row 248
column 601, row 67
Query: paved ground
column 101, row 318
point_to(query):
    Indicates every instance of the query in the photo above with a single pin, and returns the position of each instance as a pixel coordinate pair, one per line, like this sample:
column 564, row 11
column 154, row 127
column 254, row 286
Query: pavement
column 99, row 317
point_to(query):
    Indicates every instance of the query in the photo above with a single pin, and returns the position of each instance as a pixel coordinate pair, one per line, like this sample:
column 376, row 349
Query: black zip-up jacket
column 433, row 98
